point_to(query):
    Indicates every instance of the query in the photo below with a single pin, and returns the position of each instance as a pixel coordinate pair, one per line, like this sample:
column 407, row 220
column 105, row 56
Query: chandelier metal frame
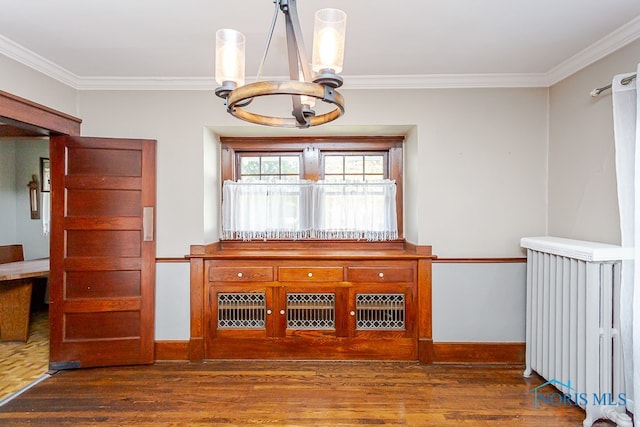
column 321, row 87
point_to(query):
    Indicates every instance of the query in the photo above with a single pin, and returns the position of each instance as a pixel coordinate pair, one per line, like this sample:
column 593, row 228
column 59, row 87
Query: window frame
column 385, row 161
column 311, row 148
column 299, row 155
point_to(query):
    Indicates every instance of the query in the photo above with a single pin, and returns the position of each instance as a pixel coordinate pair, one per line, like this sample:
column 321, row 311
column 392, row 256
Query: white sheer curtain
column 627, row 144
column 355, row 210
column 266, row 210
column 46, row 213
column 323, row 210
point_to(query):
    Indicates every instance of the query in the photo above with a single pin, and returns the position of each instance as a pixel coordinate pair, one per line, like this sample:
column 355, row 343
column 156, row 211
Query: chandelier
column 303, row 86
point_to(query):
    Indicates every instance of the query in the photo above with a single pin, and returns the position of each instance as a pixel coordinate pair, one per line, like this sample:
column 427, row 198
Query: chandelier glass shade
column 307, row 82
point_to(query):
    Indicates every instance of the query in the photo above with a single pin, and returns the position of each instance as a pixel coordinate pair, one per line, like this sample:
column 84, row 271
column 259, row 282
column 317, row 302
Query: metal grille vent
column 241, row 310
column 380, row 311
column 311, row 311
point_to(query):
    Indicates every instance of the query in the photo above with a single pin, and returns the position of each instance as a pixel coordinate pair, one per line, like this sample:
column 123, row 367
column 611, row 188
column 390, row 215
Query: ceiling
column 124, row 44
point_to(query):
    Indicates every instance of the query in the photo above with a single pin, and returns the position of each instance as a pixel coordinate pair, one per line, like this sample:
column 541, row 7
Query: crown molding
column 609, row 44
column 598, row 50
column 145, row 83
column 446, row 81
column 32, row 60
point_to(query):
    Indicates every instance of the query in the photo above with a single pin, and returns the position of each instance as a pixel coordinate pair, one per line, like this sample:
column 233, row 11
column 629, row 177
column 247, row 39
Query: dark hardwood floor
column 270, row 393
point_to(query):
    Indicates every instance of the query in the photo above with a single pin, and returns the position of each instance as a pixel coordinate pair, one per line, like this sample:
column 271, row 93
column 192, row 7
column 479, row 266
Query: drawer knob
column 281, row 311
column 310, row 274
column 353, row 313
column 268, row 311
column 239, row 274
column 381, row 274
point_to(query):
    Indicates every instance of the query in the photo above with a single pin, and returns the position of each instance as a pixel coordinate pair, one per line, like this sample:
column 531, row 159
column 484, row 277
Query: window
column 268, row 167
column 335, row 166
column 354, row 167
column 327, row 172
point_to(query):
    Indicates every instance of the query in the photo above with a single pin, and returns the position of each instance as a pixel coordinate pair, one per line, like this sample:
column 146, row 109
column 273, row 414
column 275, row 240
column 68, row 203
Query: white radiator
column 572, row 325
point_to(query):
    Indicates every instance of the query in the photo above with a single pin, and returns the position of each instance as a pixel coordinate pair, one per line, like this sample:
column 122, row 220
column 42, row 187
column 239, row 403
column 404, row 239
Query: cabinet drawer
column 310, row 274
column 380, row 274
column 241, row 274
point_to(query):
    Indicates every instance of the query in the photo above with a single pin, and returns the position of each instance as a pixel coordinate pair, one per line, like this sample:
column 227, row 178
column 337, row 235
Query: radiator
column 572, row 324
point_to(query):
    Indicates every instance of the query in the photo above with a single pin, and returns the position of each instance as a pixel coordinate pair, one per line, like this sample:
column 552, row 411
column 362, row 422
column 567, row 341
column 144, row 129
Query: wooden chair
column 11, row 253
column 15, row 299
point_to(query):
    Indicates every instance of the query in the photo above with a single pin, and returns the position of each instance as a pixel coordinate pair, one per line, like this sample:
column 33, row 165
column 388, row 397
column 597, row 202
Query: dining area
column 24, row 320
column 17, row 278
column 25, row 194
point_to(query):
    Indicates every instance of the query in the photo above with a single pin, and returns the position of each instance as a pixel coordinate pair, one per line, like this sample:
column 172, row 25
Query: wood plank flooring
column 21, row 363
column 292, row 393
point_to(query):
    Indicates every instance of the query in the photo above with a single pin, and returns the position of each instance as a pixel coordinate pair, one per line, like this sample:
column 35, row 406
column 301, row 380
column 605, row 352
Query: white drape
column 323, row 210
column 355, row 210
column 627, row 144
column 45, row 208
column 266, row 210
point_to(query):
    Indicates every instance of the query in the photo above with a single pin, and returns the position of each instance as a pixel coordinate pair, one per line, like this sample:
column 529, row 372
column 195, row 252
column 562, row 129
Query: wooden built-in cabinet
column 270, row 301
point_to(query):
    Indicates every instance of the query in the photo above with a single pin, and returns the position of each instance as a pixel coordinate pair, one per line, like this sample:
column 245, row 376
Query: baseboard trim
column 443, row 352
column 172, row 350
column 479, row 352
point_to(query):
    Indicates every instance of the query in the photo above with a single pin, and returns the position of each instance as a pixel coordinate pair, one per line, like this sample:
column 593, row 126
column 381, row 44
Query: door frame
column 37, row 118
column 30, row 119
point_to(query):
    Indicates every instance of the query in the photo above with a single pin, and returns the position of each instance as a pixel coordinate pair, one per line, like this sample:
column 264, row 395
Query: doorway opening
column 26, row 224
column 24, row 121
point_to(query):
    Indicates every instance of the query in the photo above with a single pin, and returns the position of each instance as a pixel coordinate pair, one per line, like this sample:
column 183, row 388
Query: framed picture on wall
column 45, row 175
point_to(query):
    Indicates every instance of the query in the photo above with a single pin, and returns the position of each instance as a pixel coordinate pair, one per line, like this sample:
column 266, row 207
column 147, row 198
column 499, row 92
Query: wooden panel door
column 102, row 279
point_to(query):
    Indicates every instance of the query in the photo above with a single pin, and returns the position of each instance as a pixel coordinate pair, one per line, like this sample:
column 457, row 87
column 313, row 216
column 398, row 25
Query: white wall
column 8, row 193
column 411, row 157
column 19, row 160
column 27, row 83
column 212, row 195
column 482, row 162
column 479, row 302
column 172, row 301
column 29, row 231
column 583, row 203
